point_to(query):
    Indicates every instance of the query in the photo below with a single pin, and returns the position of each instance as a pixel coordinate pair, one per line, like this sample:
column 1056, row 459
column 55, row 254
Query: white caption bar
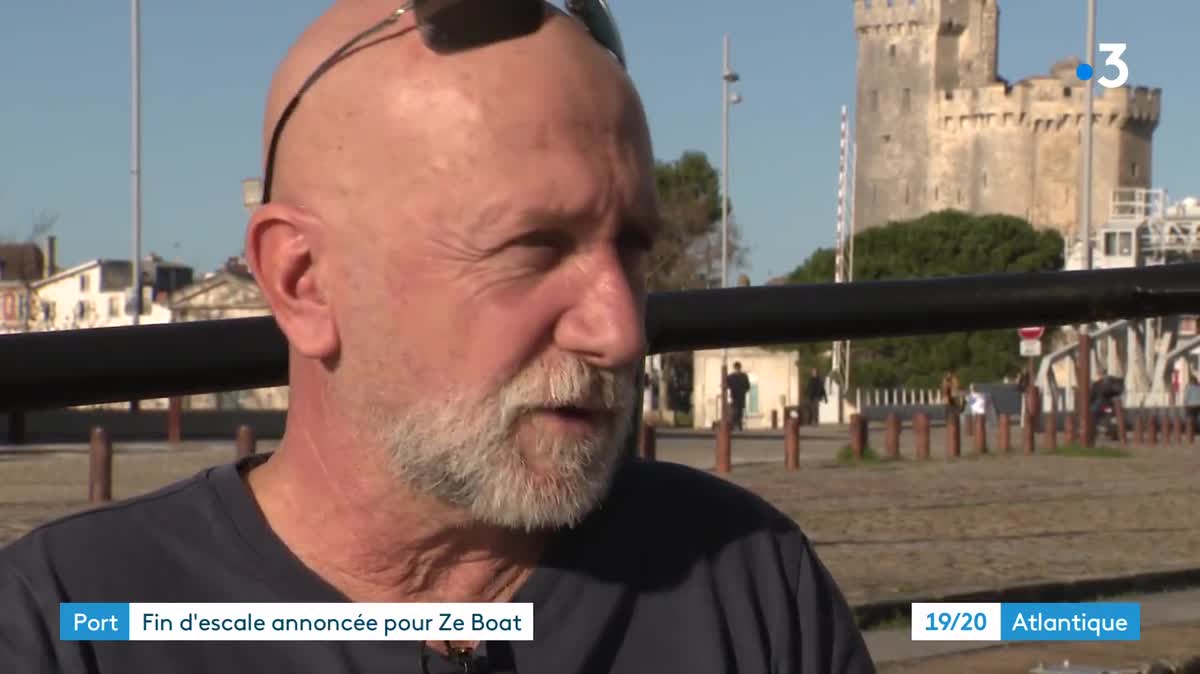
column 956, row 622
column 330, row 622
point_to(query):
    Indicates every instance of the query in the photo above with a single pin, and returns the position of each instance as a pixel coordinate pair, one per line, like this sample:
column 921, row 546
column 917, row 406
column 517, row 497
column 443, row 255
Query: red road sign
column 1031, row 333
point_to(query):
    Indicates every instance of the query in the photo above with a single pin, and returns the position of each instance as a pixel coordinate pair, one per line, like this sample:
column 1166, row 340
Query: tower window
column 874, row 100
column 1134, row 169
column 892, row 52
column 906, row 100
column 983, row 178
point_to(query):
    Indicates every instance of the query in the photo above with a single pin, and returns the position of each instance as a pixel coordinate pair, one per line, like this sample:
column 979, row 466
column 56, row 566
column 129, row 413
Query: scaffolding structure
column 1155, row 357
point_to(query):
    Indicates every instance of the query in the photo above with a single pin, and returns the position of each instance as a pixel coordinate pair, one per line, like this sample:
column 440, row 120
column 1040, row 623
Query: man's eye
column 553, row 240
column 537, row 250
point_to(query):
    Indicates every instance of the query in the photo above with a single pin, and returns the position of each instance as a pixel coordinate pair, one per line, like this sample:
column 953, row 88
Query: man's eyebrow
column 648, row 220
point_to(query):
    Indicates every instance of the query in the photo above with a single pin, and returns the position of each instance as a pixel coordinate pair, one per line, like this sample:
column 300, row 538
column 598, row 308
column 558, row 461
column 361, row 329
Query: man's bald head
column 455, row 249
column 392, row 107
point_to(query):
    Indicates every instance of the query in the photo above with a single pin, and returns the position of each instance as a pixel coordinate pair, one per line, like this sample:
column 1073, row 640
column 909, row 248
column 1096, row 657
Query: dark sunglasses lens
column 457, row 25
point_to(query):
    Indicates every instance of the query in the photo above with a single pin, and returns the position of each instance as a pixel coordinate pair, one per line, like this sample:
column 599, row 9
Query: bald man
column 453, row 243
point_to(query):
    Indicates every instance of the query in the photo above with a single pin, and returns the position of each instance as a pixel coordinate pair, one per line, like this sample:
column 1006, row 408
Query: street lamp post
column 1084, row 355
column 728, row 99
column 135, row 154
column 135, row 161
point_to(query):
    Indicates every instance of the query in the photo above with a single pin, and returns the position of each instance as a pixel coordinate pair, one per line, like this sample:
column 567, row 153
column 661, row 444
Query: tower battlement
column 948, row 15
column 886, row 16
column 1045, row 104
column 938, row 127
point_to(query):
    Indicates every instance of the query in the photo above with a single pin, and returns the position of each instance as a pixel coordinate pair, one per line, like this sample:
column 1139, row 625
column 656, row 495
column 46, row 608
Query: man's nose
column 606, row 324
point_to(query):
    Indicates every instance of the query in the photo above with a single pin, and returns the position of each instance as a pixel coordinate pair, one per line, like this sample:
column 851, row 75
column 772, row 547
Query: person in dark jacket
column 739, row 386
column 814, row 395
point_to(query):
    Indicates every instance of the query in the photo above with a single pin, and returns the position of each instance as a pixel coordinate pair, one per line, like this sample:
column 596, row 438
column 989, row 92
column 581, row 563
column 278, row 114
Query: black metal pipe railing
column 77, row 367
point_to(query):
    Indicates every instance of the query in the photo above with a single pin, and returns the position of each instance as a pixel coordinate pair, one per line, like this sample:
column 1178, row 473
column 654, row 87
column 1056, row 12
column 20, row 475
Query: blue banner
column 1100, row 621
column 93, row 622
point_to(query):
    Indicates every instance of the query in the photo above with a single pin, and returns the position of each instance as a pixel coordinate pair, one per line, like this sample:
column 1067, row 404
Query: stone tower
column 937, row 128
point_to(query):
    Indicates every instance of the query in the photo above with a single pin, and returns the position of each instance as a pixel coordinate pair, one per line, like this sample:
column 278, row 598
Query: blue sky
column 64, row 112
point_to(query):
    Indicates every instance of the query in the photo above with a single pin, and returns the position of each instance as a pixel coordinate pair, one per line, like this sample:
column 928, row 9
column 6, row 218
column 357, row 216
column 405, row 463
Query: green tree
column 944, row 243
column 687, row 254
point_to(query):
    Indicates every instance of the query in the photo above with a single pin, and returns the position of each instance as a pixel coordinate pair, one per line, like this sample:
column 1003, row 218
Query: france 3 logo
column 1115, row 51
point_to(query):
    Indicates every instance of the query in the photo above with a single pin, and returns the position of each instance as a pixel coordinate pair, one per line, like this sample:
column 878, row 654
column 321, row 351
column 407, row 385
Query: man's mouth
column 581, row 413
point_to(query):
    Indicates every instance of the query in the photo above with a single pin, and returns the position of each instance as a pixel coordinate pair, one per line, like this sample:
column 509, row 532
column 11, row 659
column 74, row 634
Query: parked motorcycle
column 1105, row 394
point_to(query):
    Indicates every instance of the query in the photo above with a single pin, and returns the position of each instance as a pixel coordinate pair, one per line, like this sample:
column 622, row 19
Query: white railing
column 864, row 398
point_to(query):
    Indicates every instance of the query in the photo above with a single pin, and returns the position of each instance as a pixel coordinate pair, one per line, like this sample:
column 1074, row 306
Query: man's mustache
column 579, row 386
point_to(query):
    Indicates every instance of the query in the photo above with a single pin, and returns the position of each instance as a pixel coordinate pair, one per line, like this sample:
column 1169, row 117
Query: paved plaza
column 886, row 530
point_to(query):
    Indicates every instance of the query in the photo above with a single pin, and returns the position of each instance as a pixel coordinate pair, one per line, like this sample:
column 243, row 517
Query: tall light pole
column 135, row 162
column 1083, row 367
column 135, row 153
column 1089, row 98
column 728, row 99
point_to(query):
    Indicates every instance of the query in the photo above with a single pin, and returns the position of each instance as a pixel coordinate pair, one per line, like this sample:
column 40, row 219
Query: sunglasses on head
column 449, row 26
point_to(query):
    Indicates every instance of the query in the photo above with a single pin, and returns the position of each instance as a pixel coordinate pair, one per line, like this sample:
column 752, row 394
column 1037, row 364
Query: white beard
column 467, row 452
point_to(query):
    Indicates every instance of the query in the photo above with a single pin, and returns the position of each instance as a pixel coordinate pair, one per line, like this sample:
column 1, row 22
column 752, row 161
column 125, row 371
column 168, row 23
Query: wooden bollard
column 979, row 421
column 858, row 435
column 921, row 436
column 1190, row 424
column 774, row 419
column 724, row 446
column 1119, row 411
column 1172, row 428
column 891, row 441
column 1069, row 428
column 174, row 419
column 1002, row 434
column 953, row 437
column 1152, row 426
column 791, row 443
column 1139, row 429
column 647, row 442
column 245, row 441
column 1051, row 428
column 1029, row 436
column 100, row 470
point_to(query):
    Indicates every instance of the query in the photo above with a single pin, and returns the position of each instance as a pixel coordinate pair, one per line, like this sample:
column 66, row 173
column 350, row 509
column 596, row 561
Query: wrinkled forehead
column 521, row 108
column 443, row 27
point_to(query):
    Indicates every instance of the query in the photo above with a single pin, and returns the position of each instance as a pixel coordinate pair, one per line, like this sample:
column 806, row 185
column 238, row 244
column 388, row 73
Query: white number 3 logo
column 1114, row 51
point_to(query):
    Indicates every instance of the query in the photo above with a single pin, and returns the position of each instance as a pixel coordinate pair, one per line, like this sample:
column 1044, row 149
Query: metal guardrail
column 77, row 367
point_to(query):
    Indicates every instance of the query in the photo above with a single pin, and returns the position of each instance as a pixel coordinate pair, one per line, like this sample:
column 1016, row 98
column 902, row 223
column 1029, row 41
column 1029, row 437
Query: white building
column 94, row 294
column 231, row 293
column 775, row 384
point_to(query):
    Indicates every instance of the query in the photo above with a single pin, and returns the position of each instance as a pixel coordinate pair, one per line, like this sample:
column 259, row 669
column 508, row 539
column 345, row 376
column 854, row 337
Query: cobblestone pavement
column 884, row 530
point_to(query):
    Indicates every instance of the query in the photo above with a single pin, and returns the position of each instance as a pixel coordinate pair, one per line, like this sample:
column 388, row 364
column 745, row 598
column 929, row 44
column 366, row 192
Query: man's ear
column 280, row 246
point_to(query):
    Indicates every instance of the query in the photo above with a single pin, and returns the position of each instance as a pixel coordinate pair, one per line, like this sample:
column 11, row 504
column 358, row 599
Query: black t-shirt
column 678, row 571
